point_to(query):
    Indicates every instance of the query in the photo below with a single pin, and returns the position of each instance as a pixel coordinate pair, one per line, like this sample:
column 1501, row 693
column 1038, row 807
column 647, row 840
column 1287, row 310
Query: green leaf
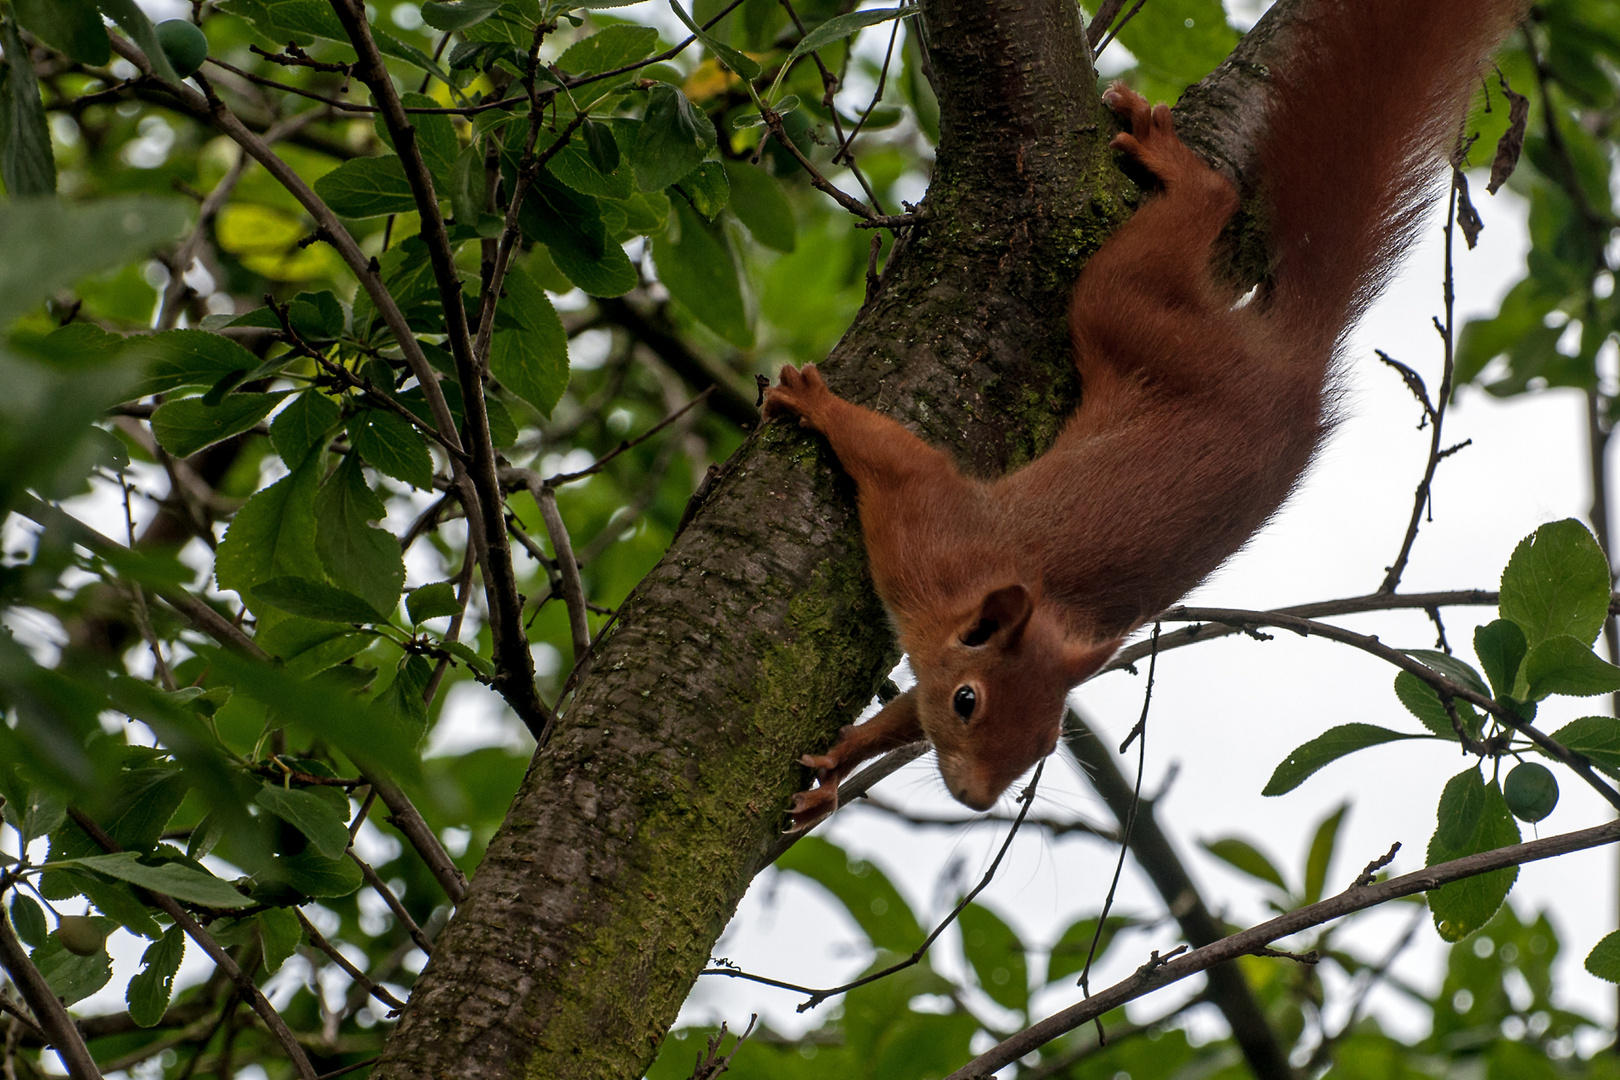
column 174, row 878
column 1472, row 817
column 280, row 932
column 312, row 875
column 1500, row 646
column 458, row 16
column 577, row 165
column 1320, row 857
column 570, row 225
column 1423, row 702
column 143, row 802
column 149, row 991
column 118, row 902
column 1565, row 665
column 72, row 978
column 696, row 265
column 316, row 316
column 273, row 534
column 365, row 733
column 707, row 188
column 1598, row 737
column 609, row 48
column 177, row 358
column 315, row 600
column 1330, row 746
column 27, row 163
column 675, row 135
column 431, row 601
column 29, row 919
column 757, row 200
column 367, row 187
column 734, row 59
column 47, row 245
column 405, row 695
column 392, row 445
column 309, row 814
column 1179, row 41
column 1604, row 959
column 73, row 26
column 135, row 23
column 465, row 653
column 304, row 425
column 1457, row 671
column 531, row 359
column 1242, row 855
column 996, row 955
column 467, row 194
column 435, row 140
column 1557, row 582
column 872, row 901
column 188, row 425
column 367, row 560
column 600, row 145
column 842, row 26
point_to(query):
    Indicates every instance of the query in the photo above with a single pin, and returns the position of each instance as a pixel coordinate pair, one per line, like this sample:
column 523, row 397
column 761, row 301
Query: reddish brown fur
column 1197, row 418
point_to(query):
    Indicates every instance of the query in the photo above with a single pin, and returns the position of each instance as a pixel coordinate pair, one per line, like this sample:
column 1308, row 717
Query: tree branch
column 243, row 982
column 1356, row 898
column 52, row 1015
column 514, row 678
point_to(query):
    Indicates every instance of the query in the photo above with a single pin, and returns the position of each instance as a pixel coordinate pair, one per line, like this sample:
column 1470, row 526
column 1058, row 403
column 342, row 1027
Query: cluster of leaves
column 195, row 710
column 1554, row 599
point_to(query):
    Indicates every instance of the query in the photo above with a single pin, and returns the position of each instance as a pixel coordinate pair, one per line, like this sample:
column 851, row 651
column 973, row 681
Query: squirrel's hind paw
column 807, row 808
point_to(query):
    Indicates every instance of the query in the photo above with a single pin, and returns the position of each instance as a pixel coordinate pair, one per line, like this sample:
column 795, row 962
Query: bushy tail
column 1367, row 109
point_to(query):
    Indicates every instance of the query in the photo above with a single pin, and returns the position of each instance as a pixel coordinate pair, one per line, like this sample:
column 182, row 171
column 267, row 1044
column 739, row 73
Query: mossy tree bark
column 640, row 825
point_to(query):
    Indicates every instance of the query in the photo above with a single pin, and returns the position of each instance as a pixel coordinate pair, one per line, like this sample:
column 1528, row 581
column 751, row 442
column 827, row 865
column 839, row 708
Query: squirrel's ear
column 1002, row 617
column 1082, row 660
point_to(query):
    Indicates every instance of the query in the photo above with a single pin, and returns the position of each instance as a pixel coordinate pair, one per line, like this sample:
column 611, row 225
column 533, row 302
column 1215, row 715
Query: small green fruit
column 1531, row 791
column 81, row 935
column 184, row 44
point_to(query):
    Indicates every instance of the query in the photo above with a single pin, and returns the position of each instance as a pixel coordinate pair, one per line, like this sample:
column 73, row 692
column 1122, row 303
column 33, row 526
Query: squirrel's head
column 990, row 696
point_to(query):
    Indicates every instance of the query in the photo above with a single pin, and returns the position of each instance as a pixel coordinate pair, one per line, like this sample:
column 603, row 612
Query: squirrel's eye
column 965, row 702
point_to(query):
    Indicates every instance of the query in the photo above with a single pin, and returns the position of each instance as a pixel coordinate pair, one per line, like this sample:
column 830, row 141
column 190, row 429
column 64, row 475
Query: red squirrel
column 1198, row 411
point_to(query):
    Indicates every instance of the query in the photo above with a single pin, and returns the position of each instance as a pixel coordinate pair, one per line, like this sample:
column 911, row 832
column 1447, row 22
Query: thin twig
column 380, row 887
column 816, row 997
column 408, row 820
column 1127, row 657
column 573, row 590
column 1437, row 411
column 317, row 939
column 1138, row 733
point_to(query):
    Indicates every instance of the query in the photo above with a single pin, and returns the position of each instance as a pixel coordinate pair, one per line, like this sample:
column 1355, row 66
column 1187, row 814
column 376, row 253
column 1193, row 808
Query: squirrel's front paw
column 1150, row 137
column 796, row 393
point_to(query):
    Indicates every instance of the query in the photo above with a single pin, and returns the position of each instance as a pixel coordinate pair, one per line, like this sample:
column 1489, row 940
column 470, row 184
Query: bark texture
column 640, row 825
